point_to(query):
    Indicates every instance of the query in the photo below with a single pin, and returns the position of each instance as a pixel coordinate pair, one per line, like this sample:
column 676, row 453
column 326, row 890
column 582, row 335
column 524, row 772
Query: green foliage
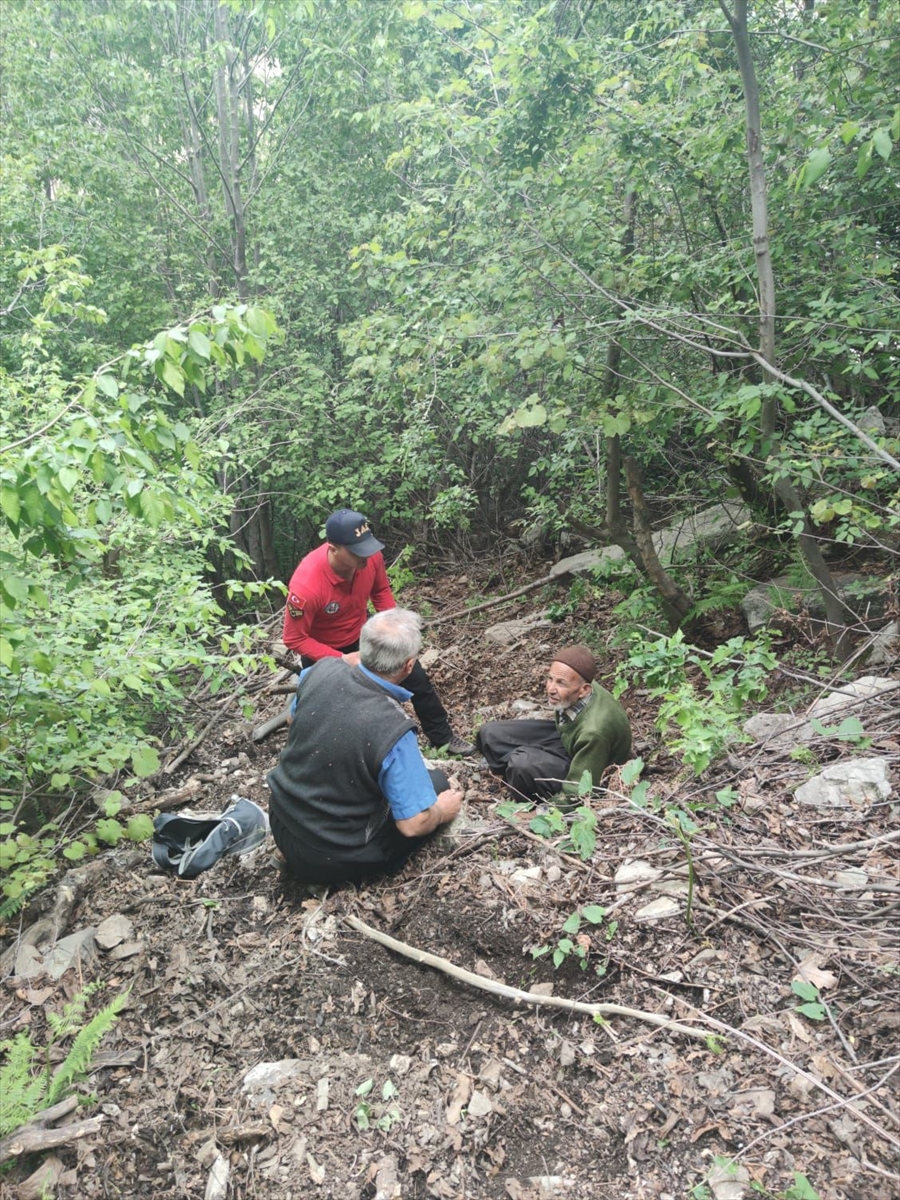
column 28, row 1081
column 812, row 1006
column 382, row 1116
column 700, row 719
column 575, row 944
column 109, row 510
column 400, row 574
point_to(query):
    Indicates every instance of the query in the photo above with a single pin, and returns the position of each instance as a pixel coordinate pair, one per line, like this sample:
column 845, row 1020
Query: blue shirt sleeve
column 300, row 679
column 404, row 779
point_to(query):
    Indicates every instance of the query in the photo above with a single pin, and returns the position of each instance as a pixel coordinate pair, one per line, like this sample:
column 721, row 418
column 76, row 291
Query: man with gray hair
column 351, row 796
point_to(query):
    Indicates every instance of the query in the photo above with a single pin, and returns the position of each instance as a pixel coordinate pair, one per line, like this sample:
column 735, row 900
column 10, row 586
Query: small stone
column 126, row 950
column 638, row 870
column 479, row 1105
column 658, row 910
column 853, row 878
column 856, row 783
column 268, row 1075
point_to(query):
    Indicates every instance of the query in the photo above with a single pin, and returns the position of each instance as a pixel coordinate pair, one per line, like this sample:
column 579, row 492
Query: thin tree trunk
column 675, row 602
column 784, row 489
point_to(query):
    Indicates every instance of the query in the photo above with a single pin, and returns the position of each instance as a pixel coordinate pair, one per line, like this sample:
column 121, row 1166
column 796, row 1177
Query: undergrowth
column 28, row 1083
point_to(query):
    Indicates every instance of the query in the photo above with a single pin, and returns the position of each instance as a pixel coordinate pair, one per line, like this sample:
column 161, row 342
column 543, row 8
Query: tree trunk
column 784, row 489
column 676, row 603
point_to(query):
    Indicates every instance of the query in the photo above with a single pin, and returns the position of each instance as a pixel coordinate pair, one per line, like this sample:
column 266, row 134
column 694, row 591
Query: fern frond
column 72, row 1016
column 11, row 904
column 78, row 1060
column 22, row 1089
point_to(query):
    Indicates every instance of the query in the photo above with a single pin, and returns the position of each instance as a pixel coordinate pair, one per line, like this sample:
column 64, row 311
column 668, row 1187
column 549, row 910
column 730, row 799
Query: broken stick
column 502, row 989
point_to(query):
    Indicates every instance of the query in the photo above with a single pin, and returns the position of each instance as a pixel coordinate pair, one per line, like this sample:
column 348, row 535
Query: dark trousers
column 528, row 754
column 428, row 708
column 316, row 867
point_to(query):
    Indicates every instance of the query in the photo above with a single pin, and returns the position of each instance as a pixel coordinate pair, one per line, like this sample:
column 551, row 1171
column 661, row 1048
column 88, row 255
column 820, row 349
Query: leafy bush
column 699, row 722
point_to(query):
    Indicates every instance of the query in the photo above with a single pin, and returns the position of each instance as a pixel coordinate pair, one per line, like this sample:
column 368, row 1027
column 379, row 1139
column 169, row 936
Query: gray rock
column 885, row 646
column 658, row 910
column 637, row 870
column 263, row 1080
column 587, row 560
column 75, row 950
column 860, row 592
column 114, row 930
column 850, row 695
column 854, row 784
column 506, row 633
column 777, row 729
column 715, row 526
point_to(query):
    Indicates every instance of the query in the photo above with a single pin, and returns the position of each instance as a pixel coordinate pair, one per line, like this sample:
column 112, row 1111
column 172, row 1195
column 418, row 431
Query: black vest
column 325, row 787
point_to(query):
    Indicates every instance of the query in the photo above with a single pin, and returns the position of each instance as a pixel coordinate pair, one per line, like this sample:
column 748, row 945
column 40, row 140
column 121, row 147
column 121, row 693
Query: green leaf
column 153, row 507
column 593, row 913
column 145, row 761
column 108, row 385
column 75, row 851
column 802, row 1189
column 199, row 343
column 68, row 479
column 139, row 828
column 572, row 923
column 632, row 771
column 815, row 1012
column 109, row 831
column 172, row 376
column 365, row 1087
column 805, row 990
column 850, row 729
column 881, row 140
column 112, row 805
column 816, row 165
column 531, row 418
column 9, row 502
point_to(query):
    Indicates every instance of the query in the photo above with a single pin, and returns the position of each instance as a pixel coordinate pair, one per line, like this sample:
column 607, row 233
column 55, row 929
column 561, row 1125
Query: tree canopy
column 520, row 256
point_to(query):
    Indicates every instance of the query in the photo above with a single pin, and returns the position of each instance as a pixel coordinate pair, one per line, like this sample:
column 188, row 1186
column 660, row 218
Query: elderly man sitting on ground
column 590, row 730
column 351, row 796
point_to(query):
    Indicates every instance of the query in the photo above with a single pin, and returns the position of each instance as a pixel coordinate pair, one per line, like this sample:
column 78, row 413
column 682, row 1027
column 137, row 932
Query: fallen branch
column 464, row 612
column 511, row 993
column 274, row 723
column 35, row 1136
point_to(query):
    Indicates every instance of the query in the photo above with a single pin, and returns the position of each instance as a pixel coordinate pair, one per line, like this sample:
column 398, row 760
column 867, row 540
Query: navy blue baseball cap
column 351, row 529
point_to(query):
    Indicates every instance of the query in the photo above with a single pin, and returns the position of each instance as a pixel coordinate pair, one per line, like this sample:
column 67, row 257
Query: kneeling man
column 539, row 759
column 351, row 796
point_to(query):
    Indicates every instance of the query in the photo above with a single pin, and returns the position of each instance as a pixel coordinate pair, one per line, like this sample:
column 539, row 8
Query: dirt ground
column 399, row 1080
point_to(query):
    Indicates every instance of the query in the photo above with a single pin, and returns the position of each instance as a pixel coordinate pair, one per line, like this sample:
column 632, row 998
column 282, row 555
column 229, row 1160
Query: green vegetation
column 526, row 281
column 29, row 1082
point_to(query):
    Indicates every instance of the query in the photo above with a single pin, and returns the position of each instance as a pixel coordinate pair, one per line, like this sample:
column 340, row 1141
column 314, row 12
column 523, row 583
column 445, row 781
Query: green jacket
column 599, row 735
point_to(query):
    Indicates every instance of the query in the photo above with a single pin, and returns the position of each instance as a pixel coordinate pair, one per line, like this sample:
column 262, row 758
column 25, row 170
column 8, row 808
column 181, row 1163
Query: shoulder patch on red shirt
column 295, row 605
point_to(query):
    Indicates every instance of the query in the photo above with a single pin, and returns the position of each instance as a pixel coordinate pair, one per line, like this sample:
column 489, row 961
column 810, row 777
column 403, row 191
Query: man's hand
column 444, row 809
column 352, row 659
column 450, row 803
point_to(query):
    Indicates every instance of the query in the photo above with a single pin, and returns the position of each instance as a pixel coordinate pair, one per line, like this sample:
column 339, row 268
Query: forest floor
column 408, row 1082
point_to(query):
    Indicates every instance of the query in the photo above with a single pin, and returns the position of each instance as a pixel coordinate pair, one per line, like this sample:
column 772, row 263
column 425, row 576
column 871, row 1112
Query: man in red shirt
column 328, row 604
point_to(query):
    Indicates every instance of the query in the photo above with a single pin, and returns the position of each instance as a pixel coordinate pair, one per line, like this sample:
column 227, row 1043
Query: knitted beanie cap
column 580, row 659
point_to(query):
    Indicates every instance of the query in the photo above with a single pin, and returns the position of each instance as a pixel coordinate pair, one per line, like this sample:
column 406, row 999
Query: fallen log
column 36, row 1134
column 268, row 727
